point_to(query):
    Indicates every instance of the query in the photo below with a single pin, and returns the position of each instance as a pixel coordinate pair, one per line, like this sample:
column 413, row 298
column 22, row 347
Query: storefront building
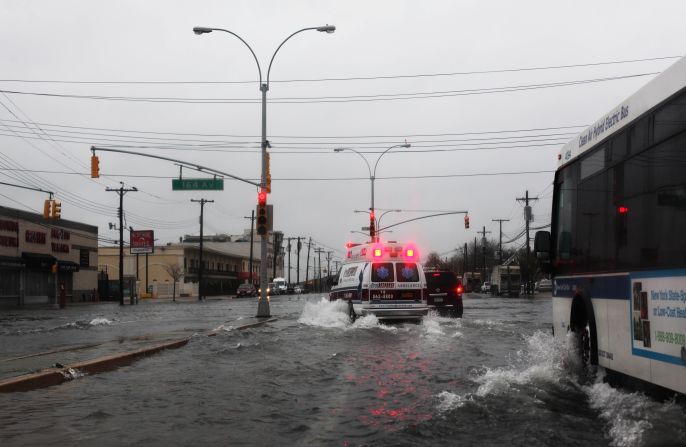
column 42, row 258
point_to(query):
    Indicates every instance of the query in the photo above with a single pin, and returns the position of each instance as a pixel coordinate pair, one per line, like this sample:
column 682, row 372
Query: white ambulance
column 382, row 279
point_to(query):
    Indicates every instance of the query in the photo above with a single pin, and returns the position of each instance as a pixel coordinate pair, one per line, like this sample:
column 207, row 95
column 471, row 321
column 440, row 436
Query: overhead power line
column 334, row 99
column 351, row 78
column 322, row 137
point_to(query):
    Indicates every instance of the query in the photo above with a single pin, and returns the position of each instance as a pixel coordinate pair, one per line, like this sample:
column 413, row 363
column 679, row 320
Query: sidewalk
column 42, row 369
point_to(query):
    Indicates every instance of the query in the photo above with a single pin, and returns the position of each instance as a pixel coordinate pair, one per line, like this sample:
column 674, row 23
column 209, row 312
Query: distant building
column 226, row 262
column 38, row 256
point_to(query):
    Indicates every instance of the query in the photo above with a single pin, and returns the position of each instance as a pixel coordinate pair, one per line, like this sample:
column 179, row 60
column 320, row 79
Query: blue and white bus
column 617, row 245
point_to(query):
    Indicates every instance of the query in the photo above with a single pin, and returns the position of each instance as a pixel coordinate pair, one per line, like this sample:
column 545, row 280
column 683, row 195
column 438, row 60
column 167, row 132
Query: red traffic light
column 623, row 209
column 262, row 198
column 466, row 221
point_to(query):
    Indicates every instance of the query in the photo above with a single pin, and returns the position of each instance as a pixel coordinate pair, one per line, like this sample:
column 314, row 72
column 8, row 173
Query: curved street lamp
column 372, row 176
column 263, row 302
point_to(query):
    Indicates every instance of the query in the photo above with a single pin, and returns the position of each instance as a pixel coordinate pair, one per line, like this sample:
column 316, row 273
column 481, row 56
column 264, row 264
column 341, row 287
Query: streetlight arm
column 369, row 168
column 202, row 30
column 384, row 152
column 327, row 29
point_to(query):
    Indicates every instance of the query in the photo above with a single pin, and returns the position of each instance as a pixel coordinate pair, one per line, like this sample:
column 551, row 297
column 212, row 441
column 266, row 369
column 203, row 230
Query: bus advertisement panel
column 658, row 312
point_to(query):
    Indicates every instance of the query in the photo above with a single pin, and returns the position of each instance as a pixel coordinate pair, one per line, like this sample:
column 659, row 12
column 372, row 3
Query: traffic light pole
column 263, row 302
column 252, row 224
column 201, row 267
column 121, row 191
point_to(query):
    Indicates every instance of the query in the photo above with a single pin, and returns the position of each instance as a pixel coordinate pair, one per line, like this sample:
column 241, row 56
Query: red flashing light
column 410, row 253
column 623, row 209
column 377, row 252
column 371, row 215
column 262, row 198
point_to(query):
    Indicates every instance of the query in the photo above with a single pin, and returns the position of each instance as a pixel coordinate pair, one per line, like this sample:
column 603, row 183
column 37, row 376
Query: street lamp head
column 326, row 29
column 406, row 145
column 201, row 30
column 339, row 149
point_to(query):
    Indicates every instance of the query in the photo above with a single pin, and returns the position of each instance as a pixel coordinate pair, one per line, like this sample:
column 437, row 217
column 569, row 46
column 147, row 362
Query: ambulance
column 383, row 279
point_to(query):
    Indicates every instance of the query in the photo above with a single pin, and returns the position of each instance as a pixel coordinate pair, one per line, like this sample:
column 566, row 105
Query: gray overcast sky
column 45, row 140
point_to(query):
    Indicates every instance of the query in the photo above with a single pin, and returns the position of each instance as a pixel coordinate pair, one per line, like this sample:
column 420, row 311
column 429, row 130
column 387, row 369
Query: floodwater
column 494, row 378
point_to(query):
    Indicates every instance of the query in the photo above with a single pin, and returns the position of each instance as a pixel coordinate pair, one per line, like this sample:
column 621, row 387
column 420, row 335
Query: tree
column 176, row 273
column 434, row 261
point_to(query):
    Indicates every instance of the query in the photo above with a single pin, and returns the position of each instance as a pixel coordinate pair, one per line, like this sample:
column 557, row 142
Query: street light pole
column 372, row 177
column 263, row 302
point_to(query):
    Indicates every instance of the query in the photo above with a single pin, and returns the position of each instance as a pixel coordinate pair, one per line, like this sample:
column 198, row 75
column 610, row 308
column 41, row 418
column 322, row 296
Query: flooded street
column 495, row 377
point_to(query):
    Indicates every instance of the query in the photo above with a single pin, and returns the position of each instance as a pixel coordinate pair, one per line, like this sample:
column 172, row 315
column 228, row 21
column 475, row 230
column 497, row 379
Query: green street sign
column 201, row 184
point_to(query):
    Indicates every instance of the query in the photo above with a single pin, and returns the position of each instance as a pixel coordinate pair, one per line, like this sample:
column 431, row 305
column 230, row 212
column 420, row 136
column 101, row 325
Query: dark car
column 444, row 292
column 246, row 290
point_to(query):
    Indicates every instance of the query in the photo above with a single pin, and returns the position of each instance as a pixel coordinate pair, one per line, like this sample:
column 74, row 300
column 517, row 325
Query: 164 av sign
column 198, row 184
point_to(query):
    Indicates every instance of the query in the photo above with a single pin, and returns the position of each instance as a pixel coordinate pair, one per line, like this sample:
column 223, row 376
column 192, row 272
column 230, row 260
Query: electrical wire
column 357, row 78
column 334, row 99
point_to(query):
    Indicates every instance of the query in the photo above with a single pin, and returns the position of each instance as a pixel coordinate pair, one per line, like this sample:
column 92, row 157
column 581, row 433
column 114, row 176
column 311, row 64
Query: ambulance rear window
column 382, row 272
column 407, row 272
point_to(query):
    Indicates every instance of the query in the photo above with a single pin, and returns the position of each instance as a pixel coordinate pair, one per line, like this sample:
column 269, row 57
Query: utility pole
column 528, row 217
column 288, row 246
column 328, row 267
column 202, row 203
column 289, row 239
column 319, row 276
column 474, row 265
column 465, row 265
column 252, row 224
column 307, row 266
column 500, row 244
column 121, row 191
column 297, row 269
column 483, row 248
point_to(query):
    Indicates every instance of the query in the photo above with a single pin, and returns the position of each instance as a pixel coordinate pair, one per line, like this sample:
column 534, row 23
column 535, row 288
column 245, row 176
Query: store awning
column 38, row 260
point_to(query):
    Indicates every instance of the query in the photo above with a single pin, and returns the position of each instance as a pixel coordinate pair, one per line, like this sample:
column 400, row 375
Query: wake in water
column 547, row 368
column 334, row 314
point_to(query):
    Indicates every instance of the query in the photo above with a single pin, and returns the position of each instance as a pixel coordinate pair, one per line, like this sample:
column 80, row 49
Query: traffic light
column 56, row 209
column 95, row 166
column 262, row 218
column 466, row 221
column 47, row 209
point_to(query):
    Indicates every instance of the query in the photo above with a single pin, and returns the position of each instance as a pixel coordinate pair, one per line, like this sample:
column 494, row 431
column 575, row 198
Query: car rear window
column 441, row 279
column 382, row 272
column 406, row 272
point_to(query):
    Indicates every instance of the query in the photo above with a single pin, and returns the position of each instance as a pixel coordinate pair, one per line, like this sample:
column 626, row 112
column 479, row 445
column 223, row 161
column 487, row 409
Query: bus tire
column 351, row 312
column 582, row 324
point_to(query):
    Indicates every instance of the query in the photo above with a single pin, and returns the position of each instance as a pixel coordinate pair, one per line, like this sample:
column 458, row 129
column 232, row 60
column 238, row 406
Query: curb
column 55, row 376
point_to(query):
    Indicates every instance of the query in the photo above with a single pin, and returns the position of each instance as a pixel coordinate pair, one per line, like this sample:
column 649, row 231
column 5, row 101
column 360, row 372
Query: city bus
column 617, row 245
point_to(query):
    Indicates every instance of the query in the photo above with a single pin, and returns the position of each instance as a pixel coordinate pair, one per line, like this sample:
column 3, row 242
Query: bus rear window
column 406, row 272
column 382, row 272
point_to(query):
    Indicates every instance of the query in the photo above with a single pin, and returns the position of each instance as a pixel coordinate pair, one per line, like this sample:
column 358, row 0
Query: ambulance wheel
column 351, row 312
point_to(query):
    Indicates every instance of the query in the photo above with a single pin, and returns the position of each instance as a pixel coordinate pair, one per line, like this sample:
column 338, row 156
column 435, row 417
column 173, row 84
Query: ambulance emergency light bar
column 379, row 252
